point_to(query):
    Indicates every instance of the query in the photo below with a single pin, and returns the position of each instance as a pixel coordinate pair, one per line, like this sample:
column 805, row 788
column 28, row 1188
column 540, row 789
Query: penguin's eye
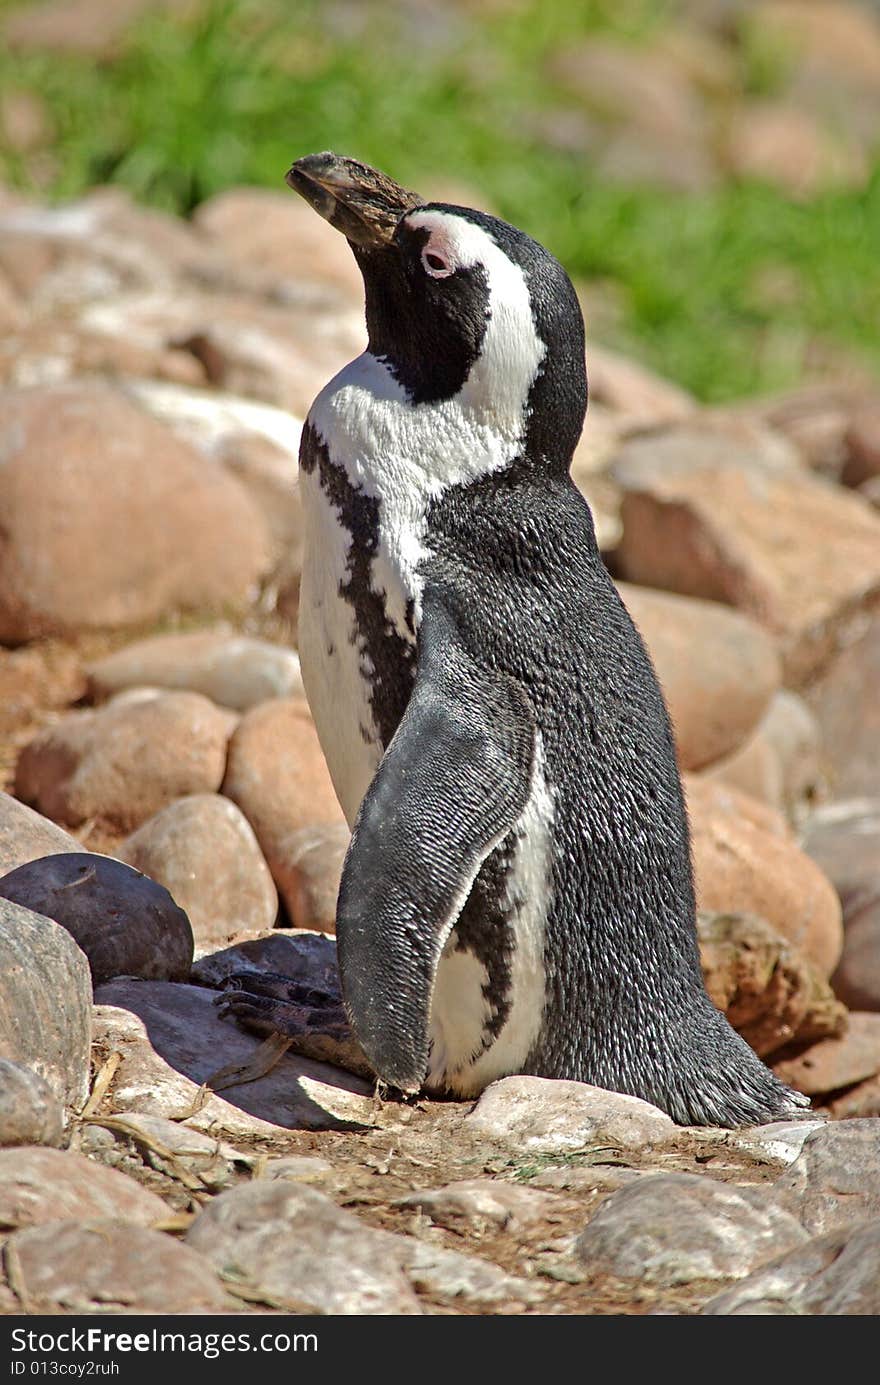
column 435, row 265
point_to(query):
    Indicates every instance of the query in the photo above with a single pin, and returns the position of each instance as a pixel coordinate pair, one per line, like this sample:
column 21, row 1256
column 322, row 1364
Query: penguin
column 518, row 895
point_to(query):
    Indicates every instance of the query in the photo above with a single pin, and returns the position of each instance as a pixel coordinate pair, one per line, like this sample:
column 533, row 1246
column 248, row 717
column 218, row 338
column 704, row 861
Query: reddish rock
column 838, row 1062
column 277, row 775
column 26, row 835
column 718, row 670
column 799, row 555
column 787, row 146
column 857, row 978
column 856, row 1103
column 127, row 760
column 844, row 839
column 845, row 703
column 40, row 1185
column 110, row 520
column 633, row 390
column 276, row 232
column 310, row 861
column 862, row 447
column 742, row 867
column 770, row 992
column 781, row 763
column 203, row 850
column 89, row 27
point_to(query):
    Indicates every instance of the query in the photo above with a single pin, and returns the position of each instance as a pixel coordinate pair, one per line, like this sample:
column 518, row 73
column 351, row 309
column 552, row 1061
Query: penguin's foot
column 315, row 1020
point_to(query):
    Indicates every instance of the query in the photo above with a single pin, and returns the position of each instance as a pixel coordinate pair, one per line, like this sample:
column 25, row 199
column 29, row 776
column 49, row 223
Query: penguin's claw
column 267, row 1003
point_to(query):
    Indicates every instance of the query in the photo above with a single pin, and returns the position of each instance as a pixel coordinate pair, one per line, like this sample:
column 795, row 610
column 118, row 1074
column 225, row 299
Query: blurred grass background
column 606, row 129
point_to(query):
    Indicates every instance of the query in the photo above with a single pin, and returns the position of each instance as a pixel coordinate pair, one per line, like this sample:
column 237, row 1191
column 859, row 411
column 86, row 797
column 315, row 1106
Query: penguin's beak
column 362, row 203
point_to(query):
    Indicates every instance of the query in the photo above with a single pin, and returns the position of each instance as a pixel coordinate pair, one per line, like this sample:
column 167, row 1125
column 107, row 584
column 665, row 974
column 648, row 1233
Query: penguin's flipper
column 453, row 781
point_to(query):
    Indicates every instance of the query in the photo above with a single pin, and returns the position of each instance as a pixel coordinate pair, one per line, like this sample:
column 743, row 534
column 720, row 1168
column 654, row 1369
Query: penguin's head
column 460, row 305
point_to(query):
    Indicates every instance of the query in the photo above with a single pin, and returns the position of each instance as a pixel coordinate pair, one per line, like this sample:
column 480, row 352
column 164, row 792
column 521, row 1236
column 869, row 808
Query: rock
column 750, row 535
column 126, row 924
column 294, row 1246
column 835, row 1181
column 86, row 27
column 847, row 709
column 172, row 1041
column 275, row 232
column 235, row 671
column 45, row 998
column 102, row 1266
column 125, row 761
column 718, row 670
column 24, row 121
column 787, row 146
column 862, row 444
column 769, row 991
column 778, row 1142
column 446, row 1274
column 625, row 385
column 830, row 1276
column 121, row 524
column 844, row 839
column 312, row 869
column 44, row 1185
column 856, row 1102
column 277, row 775
column 299, row 1168
column 838, row 1062
column 30, row 1113
column 169, row 1147
column 781, row 763
column 813, row 418
column 482, row 1205
column 752, row 769
column 26, row 835
column 677, row 1227
column 202, row 849
column 741, row 867
column 537, row 1114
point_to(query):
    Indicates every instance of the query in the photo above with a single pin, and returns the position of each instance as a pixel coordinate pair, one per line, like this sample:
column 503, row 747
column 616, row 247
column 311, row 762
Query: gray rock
column 299, row 1168
column 171, row 1146
column 678, row 1227
column 45, row 999
column 447, row 1274
column 835, row 1180
column 307, row 957
column 203, row 850
column 538, row 1114
column 831, row 1276
column 235, row 671
column 30, row 1112
column 780, row 1140
column 107, row 1267
column 26, row 835
column 482, row 1204
column 43, row 1185
column 172, row 1040
column 125, row 923
column 298, row 1248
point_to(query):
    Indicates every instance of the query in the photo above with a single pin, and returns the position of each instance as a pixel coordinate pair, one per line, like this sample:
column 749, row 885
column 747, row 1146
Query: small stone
column 314, row 858
column 674, row 1228
column 835, row 1181
column 781, row 1141
column 298, row 1168
column 168, row 1146
column 856, row 1102
column 235, row 671
column 447, row 1274
column 482, row 1204
column 277, row 775
column 832, row 1063
column 741, row 867
column 718, row 670
column 26, row 835
column 126, row 924
column 203, row 850
column 747, row 534
column 844, row 838
column 30, row 1112
column 127, row 760
column 770, row 992
column 306, row 957
column 293, row 1245
column 43, row 1185
column 45, row 1000
column 540, row 1114
column 102, row 1266
column 172, row 1040
column 110, row 520
column 830, row 1276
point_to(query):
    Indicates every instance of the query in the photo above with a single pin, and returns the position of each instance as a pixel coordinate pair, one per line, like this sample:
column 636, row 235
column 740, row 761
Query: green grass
column 730, row 292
